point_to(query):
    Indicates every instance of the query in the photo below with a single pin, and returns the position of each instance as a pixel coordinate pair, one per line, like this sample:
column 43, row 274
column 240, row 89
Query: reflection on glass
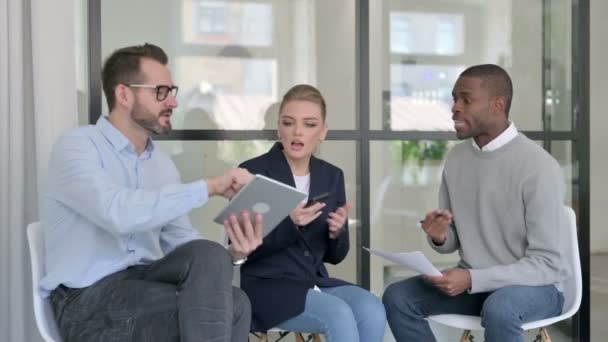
column 405, row 178
column 225, row 92
column 557, row 83
column 427, row 33
column 227, row 23
column 562, row 152
column 233, row 60
column 196, row 160
column 532, row 42
column 421, row 97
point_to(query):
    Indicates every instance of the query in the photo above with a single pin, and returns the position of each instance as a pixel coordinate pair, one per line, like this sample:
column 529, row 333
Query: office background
column 385, row 67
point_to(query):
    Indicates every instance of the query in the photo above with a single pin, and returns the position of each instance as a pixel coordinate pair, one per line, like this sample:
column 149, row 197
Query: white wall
column 599, row 125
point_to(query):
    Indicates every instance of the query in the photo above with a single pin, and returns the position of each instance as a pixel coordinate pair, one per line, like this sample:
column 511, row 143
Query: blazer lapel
column 317, row 185
column 278, row 168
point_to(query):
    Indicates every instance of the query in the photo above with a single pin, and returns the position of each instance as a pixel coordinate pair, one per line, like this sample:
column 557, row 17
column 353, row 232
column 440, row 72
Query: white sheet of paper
column 413, row 260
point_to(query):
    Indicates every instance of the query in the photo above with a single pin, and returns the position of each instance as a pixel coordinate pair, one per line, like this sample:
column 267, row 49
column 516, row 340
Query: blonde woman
column 285, row 278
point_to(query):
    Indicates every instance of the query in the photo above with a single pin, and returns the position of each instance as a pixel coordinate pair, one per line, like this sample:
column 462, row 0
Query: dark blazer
column 277, row 275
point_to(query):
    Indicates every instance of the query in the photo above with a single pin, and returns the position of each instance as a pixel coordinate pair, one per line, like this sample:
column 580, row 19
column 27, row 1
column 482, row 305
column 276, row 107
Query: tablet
column 262, row 195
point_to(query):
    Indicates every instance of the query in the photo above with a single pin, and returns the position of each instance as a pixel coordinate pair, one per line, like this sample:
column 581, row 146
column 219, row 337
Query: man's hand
column 436, row 225
column 302, row 216
column 229, row 183
column 337, row 219
column 244, row 238
column 453, row 282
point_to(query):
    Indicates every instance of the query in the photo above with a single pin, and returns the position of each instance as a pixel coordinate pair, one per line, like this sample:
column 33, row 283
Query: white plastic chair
column 45, row 318
column 573, row 292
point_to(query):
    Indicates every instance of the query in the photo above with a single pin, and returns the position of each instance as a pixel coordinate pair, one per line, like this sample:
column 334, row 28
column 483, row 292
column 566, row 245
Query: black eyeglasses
column 162, row 91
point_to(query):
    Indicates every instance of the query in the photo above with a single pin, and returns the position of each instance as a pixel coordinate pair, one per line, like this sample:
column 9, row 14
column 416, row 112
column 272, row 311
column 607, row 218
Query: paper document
column 413, row 260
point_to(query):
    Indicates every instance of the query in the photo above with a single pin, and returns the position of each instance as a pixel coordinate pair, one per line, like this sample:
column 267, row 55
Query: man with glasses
column 122, row 259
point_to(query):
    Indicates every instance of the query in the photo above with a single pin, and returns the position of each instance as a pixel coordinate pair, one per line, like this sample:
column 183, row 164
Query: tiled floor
column 599, row 310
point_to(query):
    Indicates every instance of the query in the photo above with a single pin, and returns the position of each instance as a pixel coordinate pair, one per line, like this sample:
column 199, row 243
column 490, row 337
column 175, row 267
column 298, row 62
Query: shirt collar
column 116, row 138
column 507, row 135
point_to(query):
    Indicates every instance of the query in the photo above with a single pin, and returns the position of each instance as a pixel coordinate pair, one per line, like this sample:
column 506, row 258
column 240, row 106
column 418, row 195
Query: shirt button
column 306, row 253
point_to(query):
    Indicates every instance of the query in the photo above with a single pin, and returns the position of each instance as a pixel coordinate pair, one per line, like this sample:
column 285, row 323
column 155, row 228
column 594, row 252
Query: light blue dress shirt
column 108, row 208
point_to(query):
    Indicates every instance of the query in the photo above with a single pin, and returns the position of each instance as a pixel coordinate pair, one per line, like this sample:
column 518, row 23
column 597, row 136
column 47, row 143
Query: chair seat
column 473, row 323
column 465, row 322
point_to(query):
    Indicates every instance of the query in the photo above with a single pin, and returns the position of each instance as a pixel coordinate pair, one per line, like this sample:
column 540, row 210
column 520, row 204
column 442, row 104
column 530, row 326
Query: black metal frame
column 581, row 151
column 363, row 136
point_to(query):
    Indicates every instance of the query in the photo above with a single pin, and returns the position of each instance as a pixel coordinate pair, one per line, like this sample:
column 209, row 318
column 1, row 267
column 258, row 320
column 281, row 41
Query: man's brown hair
column 123, row 67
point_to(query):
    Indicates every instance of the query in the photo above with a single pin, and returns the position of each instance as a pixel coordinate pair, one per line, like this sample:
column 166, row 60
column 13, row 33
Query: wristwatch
column 239, row 262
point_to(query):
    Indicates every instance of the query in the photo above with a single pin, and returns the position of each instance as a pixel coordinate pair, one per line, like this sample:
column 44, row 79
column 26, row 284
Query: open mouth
column 297, row 145
column 459, row 124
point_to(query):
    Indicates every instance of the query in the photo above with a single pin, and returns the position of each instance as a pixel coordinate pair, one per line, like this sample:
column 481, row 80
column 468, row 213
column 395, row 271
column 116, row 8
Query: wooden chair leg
column 544, row 335
column 311, row 338
column 466, row 336
column 263, row 337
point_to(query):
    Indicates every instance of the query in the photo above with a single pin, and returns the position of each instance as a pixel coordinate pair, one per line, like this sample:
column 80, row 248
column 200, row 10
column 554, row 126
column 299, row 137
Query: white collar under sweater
column 509, row 134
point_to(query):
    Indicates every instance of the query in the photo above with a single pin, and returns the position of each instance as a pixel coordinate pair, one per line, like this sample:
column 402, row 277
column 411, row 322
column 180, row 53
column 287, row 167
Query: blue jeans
column 502, row 312
column 342, row 313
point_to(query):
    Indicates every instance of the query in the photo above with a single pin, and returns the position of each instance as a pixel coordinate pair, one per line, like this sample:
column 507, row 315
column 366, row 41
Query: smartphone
column 316, row 199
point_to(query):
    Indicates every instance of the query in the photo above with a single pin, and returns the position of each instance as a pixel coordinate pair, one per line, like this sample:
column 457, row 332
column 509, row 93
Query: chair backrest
column 45, row 318
column 573, row 287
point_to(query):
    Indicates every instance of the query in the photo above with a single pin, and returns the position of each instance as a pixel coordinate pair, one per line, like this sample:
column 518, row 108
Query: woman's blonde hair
column 305, row 92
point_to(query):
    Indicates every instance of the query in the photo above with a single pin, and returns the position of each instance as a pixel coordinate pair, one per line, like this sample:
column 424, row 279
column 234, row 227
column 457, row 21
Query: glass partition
column 233, row 60
column 418, row 49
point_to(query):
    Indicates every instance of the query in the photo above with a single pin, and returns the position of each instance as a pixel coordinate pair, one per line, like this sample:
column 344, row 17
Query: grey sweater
column 509, row 224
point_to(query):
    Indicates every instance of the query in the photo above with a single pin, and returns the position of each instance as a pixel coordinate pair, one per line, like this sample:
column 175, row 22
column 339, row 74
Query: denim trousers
column 185, row 296
column 502, row 312
column 342, row 313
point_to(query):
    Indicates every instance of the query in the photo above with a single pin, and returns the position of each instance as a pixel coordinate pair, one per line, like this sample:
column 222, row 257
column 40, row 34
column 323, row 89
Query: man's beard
column 149, row 121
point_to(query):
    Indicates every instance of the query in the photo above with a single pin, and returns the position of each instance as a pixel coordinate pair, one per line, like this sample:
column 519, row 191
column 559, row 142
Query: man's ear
column 499, row 105
column 123, row 95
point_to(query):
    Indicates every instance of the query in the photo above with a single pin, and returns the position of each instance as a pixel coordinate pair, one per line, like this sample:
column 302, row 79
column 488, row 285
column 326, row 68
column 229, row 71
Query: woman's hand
column 302, row 216
column 337, row 219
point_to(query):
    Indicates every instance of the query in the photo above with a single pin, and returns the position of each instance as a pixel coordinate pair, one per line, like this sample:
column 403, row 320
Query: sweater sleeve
column 546, row 228
column 451, row 243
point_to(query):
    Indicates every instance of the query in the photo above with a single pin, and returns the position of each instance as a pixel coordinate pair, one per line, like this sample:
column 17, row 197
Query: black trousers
column 185, row 296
